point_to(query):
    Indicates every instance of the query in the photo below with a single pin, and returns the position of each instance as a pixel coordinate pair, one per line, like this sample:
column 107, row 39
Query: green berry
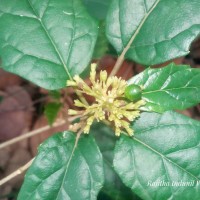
column 133, row 92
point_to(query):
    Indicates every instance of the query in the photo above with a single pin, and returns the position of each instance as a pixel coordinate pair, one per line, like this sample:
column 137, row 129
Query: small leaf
column 153, row 31
column 46, row 43
column 55, row 94
column 51, row 110
column 169, row 88
column 97, row 8
column 62, row 172
column 164, row 151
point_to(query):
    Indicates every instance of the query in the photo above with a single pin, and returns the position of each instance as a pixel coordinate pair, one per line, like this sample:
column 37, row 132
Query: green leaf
column 46, row 43
column 97, row 8
column 164, row 151
column 102, row 43
column 55, row 94
column 153, row 31
column 51, row 111
column 113, row 186
column 169, row 88
column 61, row 172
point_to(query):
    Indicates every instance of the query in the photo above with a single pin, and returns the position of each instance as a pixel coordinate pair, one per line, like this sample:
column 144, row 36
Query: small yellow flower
column 110, row 104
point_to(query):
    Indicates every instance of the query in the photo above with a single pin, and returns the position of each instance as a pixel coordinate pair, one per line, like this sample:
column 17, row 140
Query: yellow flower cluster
column 110, row 104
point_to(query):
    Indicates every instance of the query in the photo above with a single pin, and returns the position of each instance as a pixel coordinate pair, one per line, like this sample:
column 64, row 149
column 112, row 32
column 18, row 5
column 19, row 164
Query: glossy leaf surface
column 162, row 160
column 169, row 88
column 102, row 43
column 97, row 8
column 62, row 172
column 113, row 187
column 153, row 31
column 48, row 42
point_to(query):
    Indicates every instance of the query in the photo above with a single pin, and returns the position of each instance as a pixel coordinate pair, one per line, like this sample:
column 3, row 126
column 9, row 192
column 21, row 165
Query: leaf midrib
column 164, row 90
column 138, row 29
column 51, row 40
column 47, row 149
column 66, row 169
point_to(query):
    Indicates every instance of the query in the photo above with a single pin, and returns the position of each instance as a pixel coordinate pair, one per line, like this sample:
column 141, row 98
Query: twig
column 118, row 64
column 121, row 58
column 16, row 173
column 30, row 134
column 78, row 137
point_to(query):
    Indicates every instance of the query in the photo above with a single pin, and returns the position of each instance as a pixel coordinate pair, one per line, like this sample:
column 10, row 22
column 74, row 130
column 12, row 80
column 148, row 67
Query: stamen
column 109, row 104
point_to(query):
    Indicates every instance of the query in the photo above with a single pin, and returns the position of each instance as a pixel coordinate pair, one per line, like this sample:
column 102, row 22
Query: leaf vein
column 52, row 42
column 167, row 159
